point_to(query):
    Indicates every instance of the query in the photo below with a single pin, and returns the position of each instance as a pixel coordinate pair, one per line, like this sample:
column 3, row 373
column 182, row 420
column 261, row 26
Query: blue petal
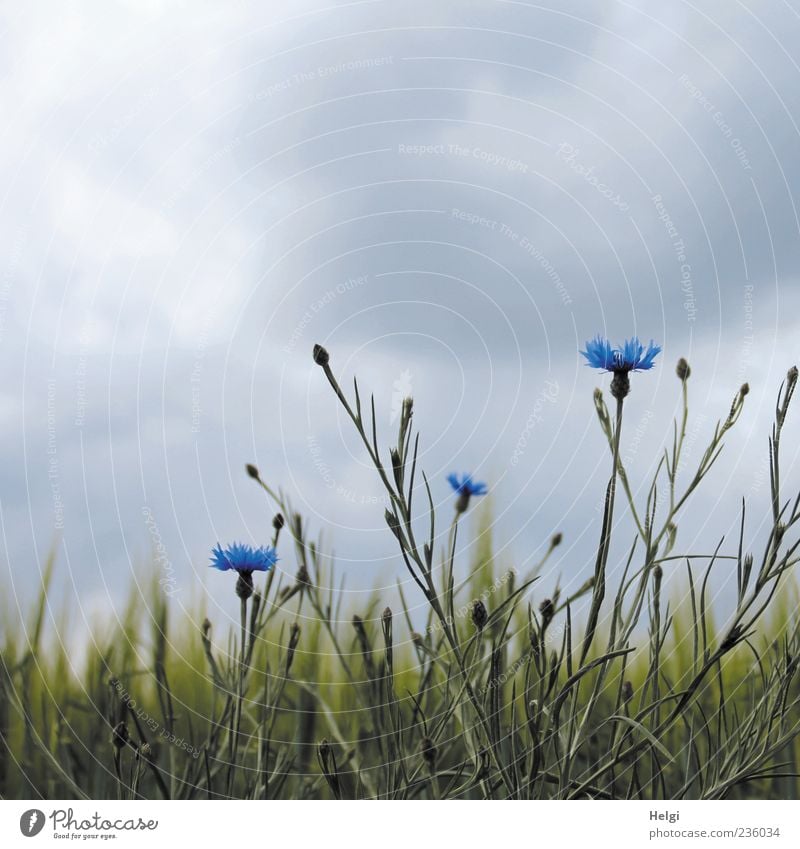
column 464, row 483
column 599, row 353
column 244, row 558
column 454, row 481
column 218, row 559
column 630, row 356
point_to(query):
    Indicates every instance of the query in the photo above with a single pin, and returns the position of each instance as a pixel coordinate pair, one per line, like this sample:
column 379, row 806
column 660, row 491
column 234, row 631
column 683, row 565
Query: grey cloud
column 201, row 202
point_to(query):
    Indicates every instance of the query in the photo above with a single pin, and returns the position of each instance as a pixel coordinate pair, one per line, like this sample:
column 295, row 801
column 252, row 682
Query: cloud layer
column 452, row 197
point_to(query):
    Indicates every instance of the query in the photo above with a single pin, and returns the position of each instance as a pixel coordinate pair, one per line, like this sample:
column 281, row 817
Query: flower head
column 464, row 483
column 630, row 356
column 243, row 558
column 621, row 361
column 465, row 487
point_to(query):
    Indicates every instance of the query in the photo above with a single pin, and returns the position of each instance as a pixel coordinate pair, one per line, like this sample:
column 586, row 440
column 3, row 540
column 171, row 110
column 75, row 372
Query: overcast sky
column 452, row 196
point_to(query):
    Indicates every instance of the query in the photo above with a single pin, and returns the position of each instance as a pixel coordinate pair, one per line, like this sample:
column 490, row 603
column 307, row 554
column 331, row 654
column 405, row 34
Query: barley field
column 504, row 688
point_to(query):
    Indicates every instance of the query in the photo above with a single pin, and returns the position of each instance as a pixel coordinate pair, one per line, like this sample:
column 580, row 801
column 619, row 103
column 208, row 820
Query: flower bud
column 252, row 471
column 480, row 615
column 294, row 639
column 547, row 611
column 683, row 370
column 386, row 624
column 321, row 356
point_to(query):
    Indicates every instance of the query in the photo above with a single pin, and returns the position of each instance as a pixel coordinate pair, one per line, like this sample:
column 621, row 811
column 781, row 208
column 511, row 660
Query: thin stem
column 599, row 589
column 237, row 722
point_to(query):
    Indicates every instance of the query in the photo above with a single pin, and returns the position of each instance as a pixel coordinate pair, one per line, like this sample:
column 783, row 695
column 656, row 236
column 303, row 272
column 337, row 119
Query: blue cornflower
column 628, row 357
column 465, row 487
column 245, row 560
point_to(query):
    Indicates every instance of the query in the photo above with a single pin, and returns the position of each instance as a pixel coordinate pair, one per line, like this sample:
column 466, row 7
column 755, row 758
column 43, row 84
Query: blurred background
column 451, row 197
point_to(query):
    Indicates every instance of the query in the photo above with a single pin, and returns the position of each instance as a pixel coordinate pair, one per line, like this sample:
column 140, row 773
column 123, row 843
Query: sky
column 452, row 197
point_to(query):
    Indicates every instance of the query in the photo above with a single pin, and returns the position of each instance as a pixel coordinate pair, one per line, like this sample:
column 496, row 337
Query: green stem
column 237, row 722
column 599, row 589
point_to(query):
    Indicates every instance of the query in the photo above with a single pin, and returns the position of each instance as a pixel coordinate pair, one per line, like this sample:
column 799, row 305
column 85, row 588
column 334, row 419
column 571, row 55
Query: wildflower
column 252, row 471
column 627, row 692
column 245, row 560
column 628, row 357
column 465, row 487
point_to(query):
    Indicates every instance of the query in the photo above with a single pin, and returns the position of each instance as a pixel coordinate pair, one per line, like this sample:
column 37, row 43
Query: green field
column 617, row 691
